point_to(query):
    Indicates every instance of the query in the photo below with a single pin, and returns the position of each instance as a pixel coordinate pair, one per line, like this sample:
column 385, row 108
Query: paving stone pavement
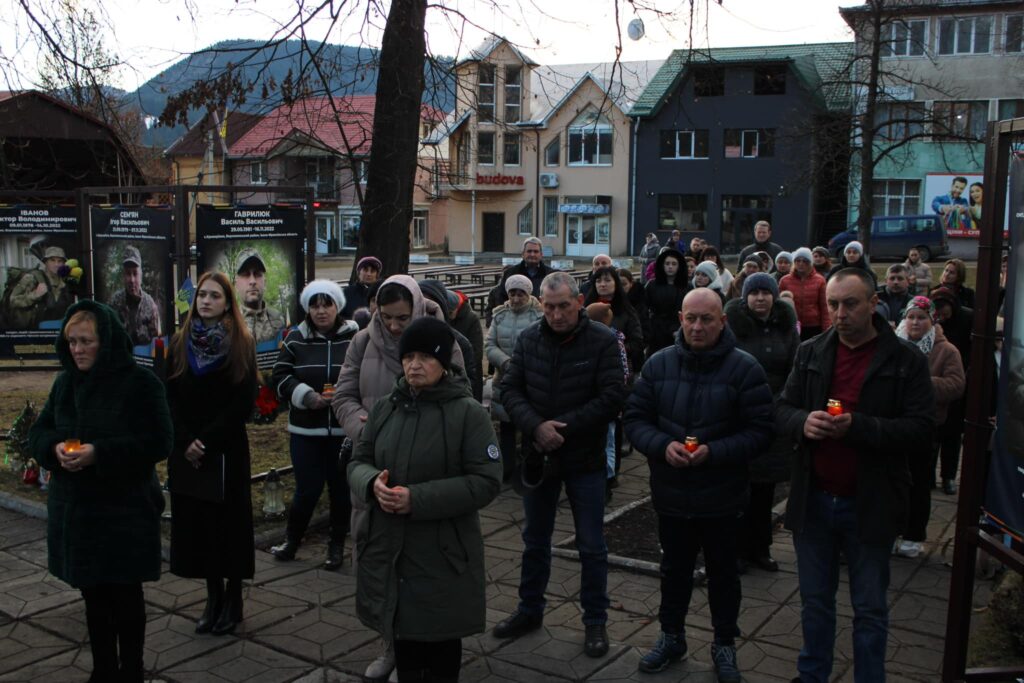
column 300, row 622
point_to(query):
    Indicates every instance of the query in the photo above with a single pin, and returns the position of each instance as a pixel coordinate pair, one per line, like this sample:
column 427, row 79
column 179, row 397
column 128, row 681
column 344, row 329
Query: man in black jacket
column 895, row 293
column 762, row 242
column 562, row 387
column 850, row 478
column 703, row 386
column 532, row 266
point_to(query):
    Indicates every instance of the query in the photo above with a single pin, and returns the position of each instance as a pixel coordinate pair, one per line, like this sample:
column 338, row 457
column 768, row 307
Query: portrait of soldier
column 264, row 323
column 136, row 307
column 37, row 294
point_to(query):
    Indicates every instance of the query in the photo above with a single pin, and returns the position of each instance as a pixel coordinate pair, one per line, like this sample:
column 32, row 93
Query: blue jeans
column 586, row 497
column 830, row 525
column 609, row 451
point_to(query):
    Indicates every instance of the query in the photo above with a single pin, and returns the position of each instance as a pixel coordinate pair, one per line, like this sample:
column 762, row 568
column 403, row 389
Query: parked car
column 894, row 236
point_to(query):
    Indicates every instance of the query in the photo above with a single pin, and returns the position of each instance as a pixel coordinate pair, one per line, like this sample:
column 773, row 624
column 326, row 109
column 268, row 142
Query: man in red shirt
column 850, row 480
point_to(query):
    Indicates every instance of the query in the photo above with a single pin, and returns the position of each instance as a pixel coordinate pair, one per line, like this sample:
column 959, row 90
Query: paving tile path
column 300, row 622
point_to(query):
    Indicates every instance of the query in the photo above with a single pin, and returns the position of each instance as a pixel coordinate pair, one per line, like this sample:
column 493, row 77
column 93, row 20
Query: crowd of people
column 792, row 369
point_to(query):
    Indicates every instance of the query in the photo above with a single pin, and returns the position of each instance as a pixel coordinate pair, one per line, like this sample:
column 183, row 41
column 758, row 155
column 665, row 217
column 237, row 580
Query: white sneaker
column 910, row 549
column 382, row 668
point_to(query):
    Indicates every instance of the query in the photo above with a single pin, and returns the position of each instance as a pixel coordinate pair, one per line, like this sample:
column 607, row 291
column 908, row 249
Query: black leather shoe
column 335, row 551
column 595, row 642
column 517, row 625
column 286, row 551
column 214, row 601
column 766, row 563
column 949, row 487
column 231, row 612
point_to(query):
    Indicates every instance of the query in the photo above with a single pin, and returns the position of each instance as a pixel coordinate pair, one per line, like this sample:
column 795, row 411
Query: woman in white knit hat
column 307, row 365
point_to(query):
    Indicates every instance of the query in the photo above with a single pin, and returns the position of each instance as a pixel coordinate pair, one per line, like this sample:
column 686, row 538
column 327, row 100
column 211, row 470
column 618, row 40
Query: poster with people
column 40, row 275
column 132, row 272
column 957, row 200
column 261, row 248
column 1005, row 487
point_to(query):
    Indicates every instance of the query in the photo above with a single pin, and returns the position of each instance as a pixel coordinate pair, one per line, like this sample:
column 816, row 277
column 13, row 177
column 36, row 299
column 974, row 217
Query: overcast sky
column 152, row 34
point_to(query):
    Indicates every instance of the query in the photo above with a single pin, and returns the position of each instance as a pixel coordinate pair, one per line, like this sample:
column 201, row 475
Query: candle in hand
column 834, row 407
column 691, row 444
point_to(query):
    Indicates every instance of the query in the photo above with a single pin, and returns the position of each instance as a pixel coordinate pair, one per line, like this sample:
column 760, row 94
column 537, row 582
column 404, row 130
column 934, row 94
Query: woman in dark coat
column 307, row 366
column 765, row 327
column 426, row 462
column 211, row 388
column 104, row 501
column 664, row 297
column 608, row 289
column 853, row 257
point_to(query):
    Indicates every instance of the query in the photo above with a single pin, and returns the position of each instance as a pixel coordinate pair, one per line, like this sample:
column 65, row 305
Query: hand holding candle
column 691, row 444
column 834, row 407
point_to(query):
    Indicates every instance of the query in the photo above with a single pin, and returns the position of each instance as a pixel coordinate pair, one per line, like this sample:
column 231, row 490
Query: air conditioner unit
column 549, row 180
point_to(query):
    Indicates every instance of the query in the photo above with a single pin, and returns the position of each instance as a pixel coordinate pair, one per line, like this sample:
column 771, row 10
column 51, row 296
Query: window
column 770, row 80
column 967, row 35
column 684, row 144
column 485, row 94
column 1011, row 109
column 682, row 212
column 350, row 230
column 511, row 149
column 1014, row 27
column 708, row 82
column 904, row 38
column 462, row 160
column 485, row 148
column 590, row 140
column 960, row 119
column 750, row 143
column 551, row 216
column 896, row 197
column 525, row 219
column 552, row 152
column 258, row 173
column 513, row 93
column 420, row 223
column 363, row 170
column 739, row 215
column 899, row 120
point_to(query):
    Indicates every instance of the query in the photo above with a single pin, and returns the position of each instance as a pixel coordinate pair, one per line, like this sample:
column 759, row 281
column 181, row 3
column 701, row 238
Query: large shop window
column 513, row 93
column 740, row 212
column 590, row 140
column 687, row 212
column 903, row 38
column 965, row 35
column 896, row 197
column 485, row 148
column 485, row 93
column 750, row 143
column 684, row 144
column 512, row 144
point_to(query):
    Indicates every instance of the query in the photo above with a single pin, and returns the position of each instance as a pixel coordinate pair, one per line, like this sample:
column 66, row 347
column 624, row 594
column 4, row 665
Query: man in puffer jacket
column 704, row 387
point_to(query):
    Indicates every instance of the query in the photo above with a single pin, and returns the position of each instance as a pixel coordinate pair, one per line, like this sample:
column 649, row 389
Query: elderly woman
column 765, row 327
column 307, row 366
column 371, row 364
column 426, row 462
column 104, row 426
column 512, row 317
column 948, row 383
column 211, row 388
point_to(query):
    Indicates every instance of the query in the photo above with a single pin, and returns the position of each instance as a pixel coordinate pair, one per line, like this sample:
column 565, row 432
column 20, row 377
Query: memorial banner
column 40, row 275
column 132, row 269
column 261, row 249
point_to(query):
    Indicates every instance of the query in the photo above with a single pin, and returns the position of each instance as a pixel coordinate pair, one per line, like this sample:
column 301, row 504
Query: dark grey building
column 723, row 138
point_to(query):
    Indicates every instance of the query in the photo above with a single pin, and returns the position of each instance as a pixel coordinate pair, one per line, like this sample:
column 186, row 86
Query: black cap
column 430, row 336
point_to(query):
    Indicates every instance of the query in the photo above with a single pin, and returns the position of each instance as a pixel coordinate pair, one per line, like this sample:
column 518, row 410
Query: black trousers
column 421, row 661
column 681, row 539
column 116, row 618
column 757, row 521
column 922, row 478
column 315, row 459
column 507, row 443
column 952, row 432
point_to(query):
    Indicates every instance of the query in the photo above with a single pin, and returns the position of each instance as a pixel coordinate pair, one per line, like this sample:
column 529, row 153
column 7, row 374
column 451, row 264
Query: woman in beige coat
column 372, row 363
column 948, row 383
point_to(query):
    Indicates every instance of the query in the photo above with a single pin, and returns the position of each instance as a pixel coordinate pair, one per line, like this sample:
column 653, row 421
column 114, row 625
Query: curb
column 29, row 508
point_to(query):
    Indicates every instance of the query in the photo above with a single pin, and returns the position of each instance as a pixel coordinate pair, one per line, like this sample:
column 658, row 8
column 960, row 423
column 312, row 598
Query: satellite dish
column 635, row 30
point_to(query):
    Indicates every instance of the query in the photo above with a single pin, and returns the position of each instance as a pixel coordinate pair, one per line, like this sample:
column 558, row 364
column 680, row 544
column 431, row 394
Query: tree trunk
column 867, row 130
column 387, row 206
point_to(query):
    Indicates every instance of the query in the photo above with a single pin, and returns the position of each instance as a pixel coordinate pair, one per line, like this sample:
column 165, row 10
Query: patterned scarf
column 207, row 347
column 925, row 343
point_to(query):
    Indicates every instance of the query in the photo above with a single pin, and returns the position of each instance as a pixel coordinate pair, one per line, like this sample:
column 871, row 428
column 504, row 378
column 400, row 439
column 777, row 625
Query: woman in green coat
column 103, row 428
column 425, row 463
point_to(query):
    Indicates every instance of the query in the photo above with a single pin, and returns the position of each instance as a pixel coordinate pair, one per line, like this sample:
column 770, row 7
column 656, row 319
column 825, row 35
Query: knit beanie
column 520, row 282
column 327, row 287
column 753, row 258
column 920, row 302
column 783, row 256
column 757, row 281
column 438, row 293
column 823, row 251
column 708, row 268
column 430, row 336
column 804, row 253
column 371, row 261
column 856, row 246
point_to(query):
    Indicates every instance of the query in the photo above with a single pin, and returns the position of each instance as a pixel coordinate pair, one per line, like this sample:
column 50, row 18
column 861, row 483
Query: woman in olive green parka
column 425, row 463
column 104, row 501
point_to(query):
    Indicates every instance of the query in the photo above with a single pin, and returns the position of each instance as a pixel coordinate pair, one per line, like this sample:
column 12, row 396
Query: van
column 894, row 236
